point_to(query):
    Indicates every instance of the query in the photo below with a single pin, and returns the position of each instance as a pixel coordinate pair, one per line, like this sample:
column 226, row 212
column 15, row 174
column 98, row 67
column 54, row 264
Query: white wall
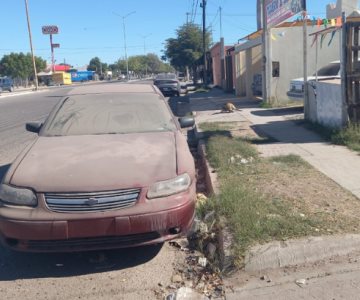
column 331, row 111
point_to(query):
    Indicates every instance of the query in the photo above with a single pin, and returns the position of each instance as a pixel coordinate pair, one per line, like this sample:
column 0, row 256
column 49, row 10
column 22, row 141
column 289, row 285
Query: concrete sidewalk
column 337, row 162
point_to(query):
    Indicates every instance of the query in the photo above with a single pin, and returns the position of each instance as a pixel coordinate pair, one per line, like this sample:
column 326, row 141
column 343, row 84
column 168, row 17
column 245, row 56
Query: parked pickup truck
column 6, row 84
column 296, row 91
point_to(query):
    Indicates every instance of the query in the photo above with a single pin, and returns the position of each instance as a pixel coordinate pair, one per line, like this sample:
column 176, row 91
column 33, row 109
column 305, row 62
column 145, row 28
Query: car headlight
column 17, row 196
column 169, row 187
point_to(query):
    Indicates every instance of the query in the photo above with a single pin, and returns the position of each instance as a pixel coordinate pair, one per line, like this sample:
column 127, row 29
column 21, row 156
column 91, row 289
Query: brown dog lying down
column 229, row 107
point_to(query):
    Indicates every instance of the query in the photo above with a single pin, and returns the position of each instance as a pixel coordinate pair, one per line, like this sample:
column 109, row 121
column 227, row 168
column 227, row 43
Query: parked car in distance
column 168, row 84
column 110, row 168
column 296, row 91
column 6, row 84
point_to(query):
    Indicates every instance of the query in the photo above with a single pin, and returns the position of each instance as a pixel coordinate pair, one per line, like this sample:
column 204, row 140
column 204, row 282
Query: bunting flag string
column 322, row 39
column 336, row 22
column 314, row 40
column 331, row 38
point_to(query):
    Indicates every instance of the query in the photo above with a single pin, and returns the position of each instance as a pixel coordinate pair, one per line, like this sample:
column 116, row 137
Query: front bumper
column 295, row 96
column 169, row 90
column 100, row 231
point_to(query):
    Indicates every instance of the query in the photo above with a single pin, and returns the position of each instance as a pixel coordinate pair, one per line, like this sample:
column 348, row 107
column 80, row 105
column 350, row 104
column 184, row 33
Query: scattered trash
column 182, row 244
column 244, row 161
column 317, row 229
column 171, row 296
column 265, row 278
column 202, row 262
column 302, row 215
column 300, row 282
column 176, row 278
column 210, row 216
column 172, row 286
column 186, row 293
column 232, row 160
column 203, row 228
column 211, row 250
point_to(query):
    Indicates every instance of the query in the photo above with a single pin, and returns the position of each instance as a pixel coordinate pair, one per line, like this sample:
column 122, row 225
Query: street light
column 126, row 58
column 144, row 37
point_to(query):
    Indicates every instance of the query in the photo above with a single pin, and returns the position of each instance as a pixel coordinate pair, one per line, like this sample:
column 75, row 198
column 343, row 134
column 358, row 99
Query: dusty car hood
column 97, row 163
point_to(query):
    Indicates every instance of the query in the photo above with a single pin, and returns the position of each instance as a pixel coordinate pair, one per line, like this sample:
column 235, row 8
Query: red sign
column 278, row 11
column 56, row 45
column 50, row 29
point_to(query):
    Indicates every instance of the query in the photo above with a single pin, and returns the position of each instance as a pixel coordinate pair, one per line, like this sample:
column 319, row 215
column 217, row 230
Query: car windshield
column 110, row 114
column 329, row 70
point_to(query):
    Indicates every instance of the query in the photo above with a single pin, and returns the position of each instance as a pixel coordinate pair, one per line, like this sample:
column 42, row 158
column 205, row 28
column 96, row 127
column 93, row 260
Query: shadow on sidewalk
column 287, row 132
column 286, row 111
column 216, row 98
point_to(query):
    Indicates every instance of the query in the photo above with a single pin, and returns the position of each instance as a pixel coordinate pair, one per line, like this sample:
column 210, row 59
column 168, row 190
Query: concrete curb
column 300, row 251
column 211, row 181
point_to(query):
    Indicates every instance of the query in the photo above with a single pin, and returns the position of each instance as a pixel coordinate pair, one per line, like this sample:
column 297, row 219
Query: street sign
column 277, row 11
column 50, row 29
column 56, row 45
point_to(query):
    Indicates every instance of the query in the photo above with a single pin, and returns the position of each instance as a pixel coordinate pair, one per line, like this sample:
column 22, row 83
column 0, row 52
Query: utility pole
column 187, row 17
column 264, row 50
column 31, row 45
column 221, row 33
column 203, row 5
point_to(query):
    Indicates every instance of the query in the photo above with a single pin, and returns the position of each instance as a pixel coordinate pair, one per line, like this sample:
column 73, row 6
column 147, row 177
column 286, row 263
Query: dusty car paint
column 108, row 162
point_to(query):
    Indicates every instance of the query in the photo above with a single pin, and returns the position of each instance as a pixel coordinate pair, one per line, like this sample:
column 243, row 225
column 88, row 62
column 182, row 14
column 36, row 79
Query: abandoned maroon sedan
column 109, row 169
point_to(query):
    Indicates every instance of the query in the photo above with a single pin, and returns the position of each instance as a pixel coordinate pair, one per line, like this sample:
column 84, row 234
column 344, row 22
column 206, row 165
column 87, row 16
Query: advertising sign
column 50, row 29
column 278, row 11
column 56, row 45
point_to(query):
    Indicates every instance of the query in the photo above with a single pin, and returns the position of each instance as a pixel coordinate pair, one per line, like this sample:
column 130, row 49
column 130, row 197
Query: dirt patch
column 306, row 189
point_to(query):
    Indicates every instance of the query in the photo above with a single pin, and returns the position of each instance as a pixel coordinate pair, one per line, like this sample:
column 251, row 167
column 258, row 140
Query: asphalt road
column 117, row 274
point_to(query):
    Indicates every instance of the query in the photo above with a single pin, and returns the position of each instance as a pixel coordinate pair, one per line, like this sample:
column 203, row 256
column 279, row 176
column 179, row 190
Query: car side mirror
column 33, row 126
column 186, row 122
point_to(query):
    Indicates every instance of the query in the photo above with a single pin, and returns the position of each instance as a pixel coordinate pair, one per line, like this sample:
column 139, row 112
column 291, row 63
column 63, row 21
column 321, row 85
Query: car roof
column 113, row 88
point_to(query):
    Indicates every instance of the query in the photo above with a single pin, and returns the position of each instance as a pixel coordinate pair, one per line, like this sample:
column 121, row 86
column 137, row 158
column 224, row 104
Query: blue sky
column 94, row 27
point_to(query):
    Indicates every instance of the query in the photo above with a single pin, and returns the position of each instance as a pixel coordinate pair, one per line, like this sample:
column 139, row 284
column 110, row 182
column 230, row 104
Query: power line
column 197, row 4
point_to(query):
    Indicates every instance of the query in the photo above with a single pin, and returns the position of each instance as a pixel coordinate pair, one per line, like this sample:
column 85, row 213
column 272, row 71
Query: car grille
column 89, row 202
column 94, row 243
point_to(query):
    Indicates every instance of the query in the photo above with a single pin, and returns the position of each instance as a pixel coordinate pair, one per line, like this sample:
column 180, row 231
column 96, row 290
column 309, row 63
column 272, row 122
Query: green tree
column 20, row 66
column 186, row 50
column 96, row 65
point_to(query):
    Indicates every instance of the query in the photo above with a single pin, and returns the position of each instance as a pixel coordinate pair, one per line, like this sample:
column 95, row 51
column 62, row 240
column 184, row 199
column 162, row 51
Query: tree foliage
column 96, row 65
column 20, row 66
column 186, row 49
column 142, row 64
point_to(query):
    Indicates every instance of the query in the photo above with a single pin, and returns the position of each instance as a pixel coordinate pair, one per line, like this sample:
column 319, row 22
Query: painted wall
column 216, row 64
column 247, row 64
column 331, row 111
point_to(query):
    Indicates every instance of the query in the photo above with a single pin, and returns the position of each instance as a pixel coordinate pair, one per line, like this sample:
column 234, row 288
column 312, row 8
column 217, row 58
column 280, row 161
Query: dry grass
column 278, row 198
